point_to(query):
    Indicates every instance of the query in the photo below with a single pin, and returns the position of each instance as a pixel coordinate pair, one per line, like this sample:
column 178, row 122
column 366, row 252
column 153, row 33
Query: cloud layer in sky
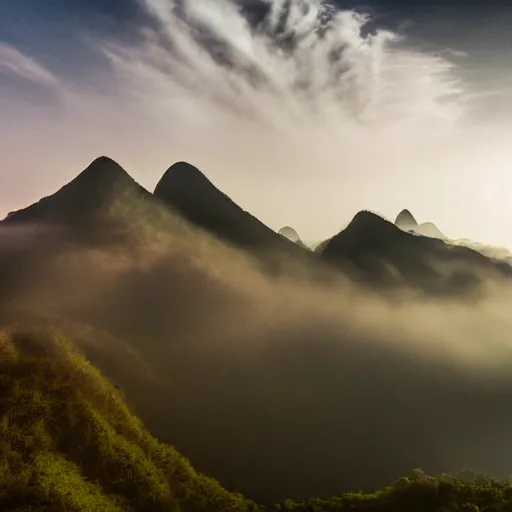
column 13, row 61
column 297, row 111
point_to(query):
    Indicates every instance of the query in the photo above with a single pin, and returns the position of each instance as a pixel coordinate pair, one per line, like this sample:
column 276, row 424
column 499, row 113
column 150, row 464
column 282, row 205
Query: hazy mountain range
column 279, row 370
column 103, row 198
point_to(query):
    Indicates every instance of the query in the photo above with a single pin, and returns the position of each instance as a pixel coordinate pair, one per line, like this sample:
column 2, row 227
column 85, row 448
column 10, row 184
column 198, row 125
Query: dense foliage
column 419, row 493
column 70, row 443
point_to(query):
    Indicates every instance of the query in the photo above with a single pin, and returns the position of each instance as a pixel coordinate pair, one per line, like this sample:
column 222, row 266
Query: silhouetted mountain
column 289, row 233
column 319, row 249
column 293, row 236
column 376, row 251
column 103, row 204
column 406, row 221
column 85, row 197
column 187, row 190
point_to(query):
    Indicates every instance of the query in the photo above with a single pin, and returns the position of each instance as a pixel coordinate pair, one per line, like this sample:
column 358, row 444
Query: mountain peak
column 366, row 220
column 188, row 191
column 367, row 229
column 181, row 174
column 102, row 171
column 406, row 221
column 290, row 233
column 100, row 183
column 431, row 230
column 183, row 166
column 103, row 160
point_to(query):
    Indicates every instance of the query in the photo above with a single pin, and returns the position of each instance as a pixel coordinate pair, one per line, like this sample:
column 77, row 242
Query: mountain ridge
column 187, row 190
column 178, row 311
column 104, row 202
column 382, row 252
column 79, row 200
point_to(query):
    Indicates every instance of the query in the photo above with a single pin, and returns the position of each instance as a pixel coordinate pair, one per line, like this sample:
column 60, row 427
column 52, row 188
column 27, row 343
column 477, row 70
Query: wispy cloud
column 304, row 106
column 305, row 62
column 14, row 61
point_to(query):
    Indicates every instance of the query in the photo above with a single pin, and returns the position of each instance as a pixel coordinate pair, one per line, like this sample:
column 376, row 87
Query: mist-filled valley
column 274, row 370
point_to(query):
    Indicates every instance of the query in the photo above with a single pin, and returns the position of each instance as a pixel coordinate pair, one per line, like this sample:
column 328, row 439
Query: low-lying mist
column 278, row 385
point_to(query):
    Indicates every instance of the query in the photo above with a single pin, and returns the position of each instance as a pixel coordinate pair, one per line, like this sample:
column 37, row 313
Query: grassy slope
column 70, row 443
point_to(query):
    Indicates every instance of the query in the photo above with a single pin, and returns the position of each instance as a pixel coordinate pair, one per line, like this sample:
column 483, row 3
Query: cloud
column 306, row 62
column 24, row 66
column 296, row 102
column 491, row 251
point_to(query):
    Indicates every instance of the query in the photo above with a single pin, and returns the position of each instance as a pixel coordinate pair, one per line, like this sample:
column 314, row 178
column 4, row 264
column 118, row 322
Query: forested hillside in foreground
column 70, row 443
column 419, row 493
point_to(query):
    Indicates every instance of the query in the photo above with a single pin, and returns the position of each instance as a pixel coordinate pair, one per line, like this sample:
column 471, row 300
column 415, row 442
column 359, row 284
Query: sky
column 303, row 112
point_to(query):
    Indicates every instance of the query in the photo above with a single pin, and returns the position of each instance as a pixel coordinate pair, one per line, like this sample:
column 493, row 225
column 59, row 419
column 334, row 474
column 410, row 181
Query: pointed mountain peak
column 365, row 228
column 103, row 160
column 98, row 185
column 405, row 220
column 102, row 171
column 366, row 220
column 188, row 191
column 185, row 188
column 367, row 233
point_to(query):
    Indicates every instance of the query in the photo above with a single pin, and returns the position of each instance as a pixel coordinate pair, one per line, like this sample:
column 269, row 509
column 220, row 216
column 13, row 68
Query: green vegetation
column 70, row 443
column 419, row 493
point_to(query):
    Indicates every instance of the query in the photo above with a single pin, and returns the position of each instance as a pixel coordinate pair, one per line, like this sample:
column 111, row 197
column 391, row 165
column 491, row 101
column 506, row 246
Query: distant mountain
column 319, row 249
column 289, row 233
column 104, row 195
column 431, row 230
column 406, row 221
column 293, row 236
column 378, row 252
column 187, row 190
